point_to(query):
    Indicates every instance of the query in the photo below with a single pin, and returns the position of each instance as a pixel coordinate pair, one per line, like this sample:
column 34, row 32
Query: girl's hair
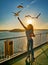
column 30, row 27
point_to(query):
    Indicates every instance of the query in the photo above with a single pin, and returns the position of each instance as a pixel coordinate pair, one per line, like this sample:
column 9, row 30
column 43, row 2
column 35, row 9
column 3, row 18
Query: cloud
column 32, row 2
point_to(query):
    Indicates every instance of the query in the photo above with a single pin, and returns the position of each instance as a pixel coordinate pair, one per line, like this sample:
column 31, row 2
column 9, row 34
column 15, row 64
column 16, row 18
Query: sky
column 31, row 7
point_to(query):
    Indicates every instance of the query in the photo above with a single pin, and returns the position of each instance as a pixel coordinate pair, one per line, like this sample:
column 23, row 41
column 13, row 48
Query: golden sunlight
column 29, row 21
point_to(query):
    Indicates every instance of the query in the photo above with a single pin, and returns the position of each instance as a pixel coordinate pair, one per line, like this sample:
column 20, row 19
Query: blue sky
column 8, row 21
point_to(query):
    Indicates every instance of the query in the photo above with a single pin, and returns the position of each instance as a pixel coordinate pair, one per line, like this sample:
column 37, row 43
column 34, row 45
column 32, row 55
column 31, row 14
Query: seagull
column 17, row 13
column 19, row 6
column 34, row 17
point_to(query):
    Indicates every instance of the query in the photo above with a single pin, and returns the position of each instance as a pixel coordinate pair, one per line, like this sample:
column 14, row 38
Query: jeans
column 30, row 45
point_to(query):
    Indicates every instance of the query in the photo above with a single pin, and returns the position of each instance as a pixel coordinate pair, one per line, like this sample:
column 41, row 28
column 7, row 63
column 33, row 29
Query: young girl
column 29, row 34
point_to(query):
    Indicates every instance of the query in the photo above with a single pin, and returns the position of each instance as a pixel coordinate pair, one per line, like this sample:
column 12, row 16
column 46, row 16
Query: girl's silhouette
column 29, row 33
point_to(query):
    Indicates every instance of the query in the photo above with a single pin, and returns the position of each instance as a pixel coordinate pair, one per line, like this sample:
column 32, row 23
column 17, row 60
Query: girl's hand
column 32, row 35
column 18, row 18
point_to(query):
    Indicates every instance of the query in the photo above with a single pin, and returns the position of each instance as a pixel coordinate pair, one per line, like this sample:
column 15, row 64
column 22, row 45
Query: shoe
column 33, row 59
column 27, row 62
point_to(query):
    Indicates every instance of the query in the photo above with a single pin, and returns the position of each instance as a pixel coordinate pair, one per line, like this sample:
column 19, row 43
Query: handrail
column 12, row 37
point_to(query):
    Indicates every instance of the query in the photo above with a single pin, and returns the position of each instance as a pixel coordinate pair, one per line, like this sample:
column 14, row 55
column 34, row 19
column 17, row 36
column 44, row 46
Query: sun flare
column 29, row 21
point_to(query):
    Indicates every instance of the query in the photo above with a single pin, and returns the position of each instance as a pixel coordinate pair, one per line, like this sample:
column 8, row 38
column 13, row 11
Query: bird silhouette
column 33, row 17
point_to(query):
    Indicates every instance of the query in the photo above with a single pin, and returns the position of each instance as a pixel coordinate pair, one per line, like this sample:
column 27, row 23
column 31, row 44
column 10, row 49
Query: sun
column 29, row 21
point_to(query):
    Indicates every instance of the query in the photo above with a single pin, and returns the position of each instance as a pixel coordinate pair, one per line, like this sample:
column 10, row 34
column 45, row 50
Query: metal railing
column 20, row 44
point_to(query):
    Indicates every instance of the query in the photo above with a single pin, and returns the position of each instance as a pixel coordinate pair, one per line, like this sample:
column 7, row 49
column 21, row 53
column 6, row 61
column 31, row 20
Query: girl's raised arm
column 21, row 23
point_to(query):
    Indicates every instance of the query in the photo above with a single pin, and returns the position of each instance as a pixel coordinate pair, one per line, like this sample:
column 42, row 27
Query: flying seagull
column 17, row 13
column 19, row 6
column 34, row 17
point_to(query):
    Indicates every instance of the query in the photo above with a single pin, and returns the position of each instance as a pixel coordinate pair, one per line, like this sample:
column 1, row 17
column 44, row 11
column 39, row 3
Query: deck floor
column 41, row 57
